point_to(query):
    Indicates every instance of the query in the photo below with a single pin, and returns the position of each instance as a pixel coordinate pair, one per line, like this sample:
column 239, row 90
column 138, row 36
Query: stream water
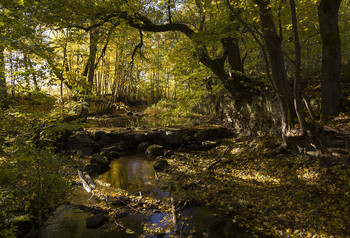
column 134, row 173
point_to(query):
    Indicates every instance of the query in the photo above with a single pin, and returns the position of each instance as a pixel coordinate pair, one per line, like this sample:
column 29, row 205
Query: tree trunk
column 3, row 87
column 90, row 73
column 297, row 73
column 35, row 81
column 331, row 57
column 279, row 75
column 26, row 70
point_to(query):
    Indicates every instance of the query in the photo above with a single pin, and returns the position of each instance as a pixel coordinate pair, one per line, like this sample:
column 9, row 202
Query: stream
column 134, row 173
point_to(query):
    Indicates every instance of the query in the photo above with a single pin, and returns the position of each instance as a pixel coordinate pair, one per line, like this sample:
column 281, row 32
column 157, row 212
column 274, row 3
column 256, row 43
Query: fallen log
column 90, row 181
column 173, row 209
column 86, row 186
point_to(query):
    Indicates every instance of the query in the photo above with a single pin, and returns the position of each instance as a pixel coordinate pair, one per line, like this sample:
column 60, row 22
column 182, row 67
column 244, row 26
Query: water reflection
column 208, row 222
column 130, row 173
column 133, row 173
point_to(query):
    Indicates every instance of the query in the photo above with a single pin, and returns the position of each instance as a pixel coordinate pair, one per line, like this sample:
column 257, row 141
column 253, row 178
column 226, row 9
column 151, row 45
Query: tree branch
column 105, row 46
column 138, row 47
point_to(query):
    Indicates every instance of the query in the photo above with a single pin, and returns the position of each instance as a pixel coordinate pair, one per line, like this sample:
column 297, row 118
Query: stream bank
column 250, row 182
column 132, row 195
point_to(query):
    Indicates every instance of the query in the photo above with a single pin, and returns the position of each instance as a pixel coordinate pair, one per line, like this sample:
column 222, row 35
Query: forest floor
column 266, row 191
column 264, row 188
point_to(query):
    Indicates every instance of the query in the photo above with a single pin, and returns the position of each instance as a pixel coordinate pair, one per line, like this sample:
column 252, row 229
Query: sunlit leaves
column 280, row 196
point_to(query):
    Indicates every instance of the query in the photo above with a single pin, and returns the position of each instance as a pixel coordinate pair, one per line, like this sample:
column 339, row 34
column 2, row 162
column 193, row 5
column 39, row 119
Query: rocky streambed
column 130, row 199
column 104, row 146
column 129, row 202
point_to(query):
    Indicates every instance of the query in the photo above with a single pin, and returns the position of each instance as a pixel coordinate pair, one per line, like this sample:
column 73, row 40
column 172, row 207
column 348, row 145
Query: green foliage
column 31, row 178
column 39, row 98
column 67, row 108
column 38, row 186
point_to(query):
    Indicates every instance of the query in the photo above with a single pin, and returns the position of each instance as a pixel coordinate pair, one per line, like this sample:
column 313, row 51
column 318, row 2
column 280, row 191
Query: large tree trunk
column 3, row 87
column 233, row 78
column 331, row 57
column 279, row 76
column 90, row 73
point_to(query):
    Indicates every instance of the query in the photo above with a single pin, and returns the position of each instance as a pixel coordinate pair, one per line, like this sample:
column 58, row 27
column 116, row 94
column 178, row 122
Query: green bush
column 31, row 178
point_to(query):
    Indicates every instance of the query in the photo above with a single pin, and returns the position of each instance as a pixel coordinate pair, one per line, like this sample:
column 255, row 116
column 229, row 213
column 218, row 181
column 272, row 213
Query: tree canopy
column 131, row 49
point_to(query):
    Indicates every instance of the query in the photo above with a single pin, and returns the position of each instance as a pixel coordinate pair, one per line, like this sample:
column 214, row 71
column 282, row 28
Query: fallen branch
column 218, row 160
column 127, row 205
column 173, row 209
column 85, row 184
column 183, row 207
column 182, row 228
column 120, row 225
column 127, row 230
column 90, row 181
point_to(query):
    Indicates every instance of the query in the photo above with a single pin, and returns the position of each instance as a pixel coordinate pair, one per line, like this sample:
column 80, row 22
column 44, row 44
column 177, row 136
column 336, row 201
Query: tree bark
column 279, row 75
column 297, row 73
column 90, row 73
column 3, row 87
column 331, row 57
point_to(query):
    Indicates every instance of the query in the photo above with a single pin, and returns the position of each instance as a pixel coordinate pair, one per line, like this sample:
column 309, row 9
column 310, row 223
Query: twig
column 182, row 228
column 120, row 225
column 218, row 160
column 128, row 205
column 183, row 207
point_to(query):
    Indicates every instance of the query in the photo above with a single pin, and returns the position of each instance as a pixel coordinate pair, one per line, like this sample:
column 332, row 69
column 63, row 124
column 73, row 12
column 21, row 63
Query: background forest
column 188, row 52
column 62, row 61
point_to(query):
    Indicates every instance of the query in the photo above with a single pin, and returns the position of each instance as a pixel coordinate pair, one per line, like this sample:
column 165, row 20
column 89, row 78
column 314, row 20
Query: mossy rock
column 101, row 160
column 169, row 153
column 160, row 165
column 142, row 147
column 155, row 150
column 93, row 169
column 172, row 138
column 98, row 135
column 26, row 226
column 111, row 155
column 95, row 221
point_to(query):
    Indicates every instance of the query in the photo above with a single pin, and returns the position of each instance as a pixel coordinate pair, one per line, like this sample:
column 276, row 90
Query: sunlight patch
column 254, row 175
column 307, row 175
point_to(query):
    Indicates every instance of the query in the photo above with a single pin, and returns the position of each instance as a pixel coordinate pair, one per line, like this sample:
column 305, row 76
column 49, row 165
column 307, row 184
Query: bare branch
column 138, row 47
column 105, row 46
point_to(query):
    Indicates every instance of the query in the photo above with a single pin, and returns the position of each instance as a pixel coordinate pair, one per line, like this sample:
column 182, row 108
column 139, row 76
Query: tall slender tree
column 3, row 87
